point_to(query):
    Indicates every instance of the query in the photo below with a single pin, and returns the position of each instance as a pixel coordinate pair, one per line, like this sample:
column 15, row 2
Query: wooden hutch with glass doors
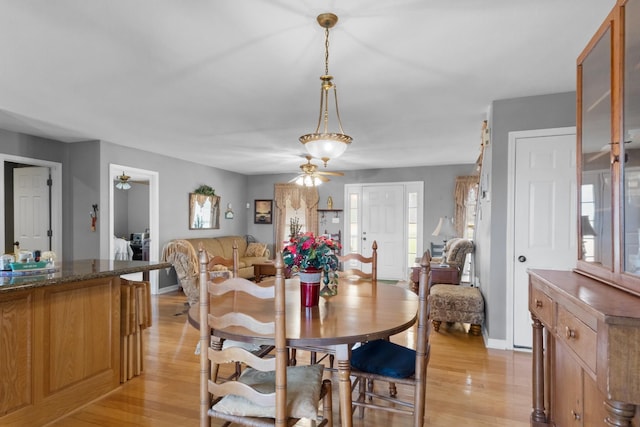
column 586, row 322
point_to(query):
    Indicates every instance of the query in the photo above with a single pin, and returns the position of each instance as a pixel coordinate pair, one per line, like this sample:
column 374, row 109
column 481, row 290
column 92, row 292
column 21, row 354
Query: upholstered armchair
column 456, row 251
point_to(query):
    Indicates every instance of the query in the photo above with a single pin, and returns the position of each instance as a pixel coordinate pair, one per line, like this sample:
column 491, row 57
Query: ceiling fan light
column 123, row 185
column 316, row 181
column 123, row 182
column 300, row 180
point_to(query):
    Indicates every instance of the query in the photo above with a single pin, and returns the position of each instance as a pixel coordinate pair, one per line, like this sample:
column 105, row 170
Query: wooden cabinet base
column 586, row 361
column 59, row 349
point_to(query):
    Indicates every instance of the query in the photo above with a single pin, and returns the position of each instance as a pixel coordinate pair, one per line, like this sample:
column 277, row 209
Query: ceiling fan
column 123, row 182
column 311, row 176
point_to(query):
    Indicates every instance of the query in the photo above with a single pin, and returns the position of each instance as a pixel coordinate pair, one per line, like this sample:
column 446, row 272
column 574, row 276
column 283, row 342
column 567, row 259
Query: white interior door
column 383, row 208
column 31, row 208
column 544, row 213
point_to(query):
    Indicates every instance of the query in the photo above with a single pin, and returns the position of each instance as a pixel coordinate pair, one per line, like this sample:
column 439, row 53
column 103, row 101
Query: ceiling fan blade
column 322, row 178
column 597, row 156
column 329, row 173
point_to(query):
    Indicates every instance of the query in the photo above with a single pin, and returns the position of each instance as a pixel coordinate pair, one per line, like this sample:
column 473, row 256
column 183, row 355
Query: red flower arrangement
column 308, row 251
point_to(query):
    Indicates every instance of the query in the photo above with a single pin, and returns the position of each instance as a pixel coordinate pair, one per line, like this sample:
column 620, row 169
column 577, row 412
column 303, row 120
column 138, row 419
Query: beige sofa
column 183, row 255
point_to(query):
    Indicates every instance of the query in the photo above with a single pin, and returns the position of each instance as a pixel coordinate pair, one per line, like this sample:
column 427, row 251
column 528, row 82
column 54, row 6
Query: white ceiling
column 234, row 83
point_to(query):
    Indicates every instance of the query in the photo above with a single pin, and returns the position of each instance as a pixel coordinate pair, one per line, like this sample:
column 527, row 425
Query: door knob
column 522, row 258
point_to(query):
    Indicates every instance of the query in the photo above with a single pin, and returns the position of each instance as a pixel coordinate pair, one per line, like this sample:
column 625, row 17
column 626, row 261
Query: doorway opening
column 7, row 216
column 133, row 215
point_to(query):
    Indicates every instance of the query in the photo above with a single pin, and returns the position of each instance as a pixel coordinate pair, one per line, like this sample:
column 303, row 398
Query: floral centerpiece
column 308, row 251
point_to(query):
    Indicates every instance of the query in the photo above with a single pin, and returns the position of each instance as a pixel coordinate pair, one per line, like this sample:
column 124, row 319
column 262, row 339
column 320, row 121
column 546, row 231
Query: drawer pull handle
column 538, row 303
column 575, row 415
column 570, row 333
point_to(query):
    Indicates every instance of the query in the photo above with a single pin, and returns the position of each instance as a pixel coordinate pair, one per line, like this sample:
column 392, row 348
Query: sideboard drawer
column 578, row 336
column 542, row 306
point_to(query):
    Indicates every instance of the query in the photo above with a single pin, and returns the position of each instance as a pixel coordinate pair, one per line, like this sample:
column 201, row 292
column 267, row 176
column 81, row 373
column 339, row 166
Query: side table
column 445, row 274
column 263, row 269
column 439, row 274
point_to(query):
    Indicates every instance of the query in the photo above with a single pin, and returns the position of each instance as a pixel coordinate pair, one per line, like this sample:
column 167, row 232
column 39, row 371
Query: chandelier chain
column 326, row 51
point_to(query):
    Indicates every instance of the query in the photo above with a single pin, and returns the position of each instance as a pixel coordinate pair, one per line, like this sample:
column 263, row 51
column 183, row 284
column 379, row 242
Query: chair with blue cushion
column 384, row 361
column 268, row 392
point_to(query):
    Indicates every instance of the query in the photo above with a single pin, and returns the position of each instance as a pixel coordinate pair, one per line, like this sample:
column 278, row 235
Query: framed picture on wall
column 263, row 212
column 204, row 211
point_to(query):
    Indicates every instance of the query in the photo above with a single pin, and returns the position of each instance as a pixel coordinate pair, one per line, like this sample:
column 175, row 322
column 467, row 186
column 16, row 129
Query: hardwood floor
column 467, row 384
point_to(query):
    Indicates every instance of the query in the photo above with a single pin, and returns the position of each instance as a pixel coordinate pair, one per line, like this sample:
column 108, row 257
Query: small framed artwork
column 263, row 212
column 228, row 214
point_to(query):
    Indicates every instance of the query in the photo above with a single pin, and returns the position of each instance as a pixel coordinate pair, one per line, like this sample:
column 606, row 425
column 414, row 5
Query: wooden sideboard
column 586, row 351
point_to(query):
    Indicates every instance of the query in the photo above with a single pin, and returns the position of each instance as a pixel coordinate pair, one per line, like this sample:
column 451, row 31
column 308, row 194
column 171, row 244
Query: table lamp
column 446, row 231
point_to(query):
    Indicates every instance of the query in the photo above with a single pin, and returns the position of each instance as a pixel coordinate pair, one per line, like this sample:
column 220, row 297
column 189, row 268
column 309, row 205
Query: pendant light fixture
column 123, row 182
column 323, row 144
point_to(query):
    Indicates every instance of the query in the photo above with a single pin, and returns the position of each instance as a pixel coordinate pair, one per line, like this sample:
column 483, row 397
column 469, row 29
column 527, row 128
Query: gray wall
column 528, row 113
column 177, row 179
column 439, row 184
column 83, row 184
column 121, row 214
column 86, row 181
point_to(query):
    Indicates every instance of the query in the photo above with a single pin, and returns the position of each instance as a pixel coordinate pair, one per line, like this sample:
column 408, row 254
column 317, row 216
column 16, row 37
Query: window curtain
column 464, row 184
column 296, row 197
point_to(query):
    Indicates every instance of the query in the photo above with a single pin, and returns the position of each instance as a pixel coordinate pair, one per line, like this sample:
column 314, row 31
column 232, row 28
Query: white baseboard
column 167, row 289
column 494, row 343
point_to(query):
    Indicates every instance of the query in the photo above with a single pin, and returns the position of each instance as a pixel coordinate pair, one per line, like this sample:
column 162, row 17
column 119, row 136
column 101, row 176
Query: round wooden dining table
column 361, row 311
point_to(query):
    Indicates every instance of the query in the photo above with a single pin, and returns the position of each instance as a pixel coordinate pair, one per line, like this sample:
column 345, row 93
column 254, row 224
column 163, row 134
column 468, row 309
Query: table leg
column 344, row 384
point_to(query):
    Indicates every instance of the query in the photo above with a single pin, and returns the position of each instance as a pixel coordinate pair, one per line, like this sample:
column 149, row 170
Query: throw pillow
column 255, row 249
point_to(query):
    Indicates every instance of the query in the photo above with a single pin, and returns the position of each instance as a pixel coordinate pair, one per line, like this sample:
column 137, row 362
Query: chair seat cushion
column 303, row 393
column 383, row 357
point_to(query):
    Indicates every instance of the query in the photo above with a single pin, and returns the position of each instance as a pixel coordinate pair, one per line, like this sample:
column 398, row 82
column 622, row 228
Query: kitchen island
column 60, row 338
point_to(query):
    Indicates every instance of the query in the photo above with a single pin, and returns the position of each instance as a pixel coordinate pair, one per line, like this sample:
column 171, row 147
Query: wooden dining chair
column 268, row 392
column 383, row 360
column 354, row 257
column 231, row 265
column 217, row 262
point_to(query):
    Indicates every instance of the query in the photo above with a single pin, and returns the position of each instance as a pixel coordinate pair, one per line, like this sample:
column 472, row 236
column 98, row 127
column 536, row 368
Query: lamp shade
column 585, row 224
column 325, row 145
column 445, row 228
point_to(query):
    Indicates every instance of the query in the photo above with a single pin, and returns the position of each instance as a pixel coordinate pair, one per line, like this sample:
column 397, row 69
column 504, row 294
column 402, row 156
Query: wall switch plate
column 335, row 220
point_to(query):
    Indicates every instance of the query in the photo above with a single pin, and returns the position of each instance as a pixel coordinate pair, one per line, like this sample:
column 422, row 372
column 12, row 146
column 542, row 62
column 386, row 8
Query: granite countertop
column 74, row 271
